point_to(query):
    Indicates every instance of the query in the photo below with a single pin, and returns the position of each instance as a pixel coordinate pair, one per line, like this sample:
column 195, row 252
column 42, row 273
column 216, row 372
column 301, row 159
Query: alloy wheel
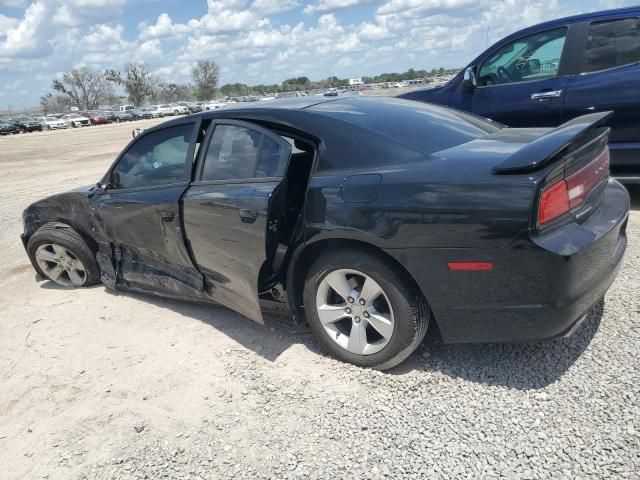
column 60, row 265
column 355, row 311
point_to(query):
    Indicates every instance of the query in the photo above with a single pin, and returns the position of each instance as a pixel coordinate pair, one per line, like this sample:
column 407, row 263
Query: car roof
column 559, row 22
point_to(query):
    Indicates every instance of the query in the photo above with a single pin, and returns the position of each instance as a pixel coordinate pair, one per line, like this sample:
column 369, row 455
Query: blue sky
column 254, row 41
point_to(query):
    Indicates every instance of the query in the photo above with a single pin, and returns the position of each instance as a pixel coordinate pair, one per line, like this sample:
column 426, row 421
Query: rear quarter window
column 612, row 43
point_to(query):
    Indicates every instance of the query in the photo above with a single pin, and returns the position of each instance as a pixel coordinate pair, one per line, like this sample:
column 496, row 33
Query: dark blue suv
column 547, row 74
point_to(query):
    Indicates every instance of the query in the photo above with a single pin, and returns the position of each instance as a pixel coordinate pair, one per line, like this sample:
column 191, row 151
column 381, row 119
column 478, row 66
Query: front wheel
column 61, row 255
column 364, row 309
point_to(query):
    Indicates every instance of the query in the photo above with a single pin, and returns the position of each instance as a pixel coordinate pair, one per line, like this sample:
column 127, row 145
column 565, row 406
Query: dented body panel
column 414, row 182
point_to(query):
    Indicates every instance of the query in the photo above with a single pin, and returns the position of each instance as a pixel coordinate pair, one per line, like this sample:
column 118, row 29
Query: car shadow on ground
column 269, row 340
column 520, row 366
column 634, row 193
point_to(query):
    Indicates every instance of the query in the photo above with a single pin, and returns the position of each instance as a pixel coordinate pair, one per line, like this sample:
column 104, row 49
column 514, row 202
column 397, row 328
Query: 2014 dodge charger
column 368, row 217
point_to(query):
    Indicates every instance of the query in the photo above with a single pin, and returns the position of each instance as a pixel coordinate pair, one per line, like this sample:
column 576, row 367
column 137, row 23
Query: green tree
column 205, row 78
column 83, row 88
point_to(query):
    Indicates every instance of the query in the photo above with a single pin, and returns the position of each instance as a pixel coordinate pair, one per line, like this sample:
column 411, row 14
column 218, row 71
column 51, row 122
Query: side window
column 237, row 152
column 157, row 158
column 612, row 44
column 535, row 57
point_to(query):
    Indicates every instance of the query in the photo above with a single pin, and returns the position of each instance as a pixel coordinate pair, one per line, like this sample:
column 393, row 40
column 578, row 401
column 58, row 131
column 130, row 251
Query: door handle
column 248, row 216
column 168, row 215
column 541, row 96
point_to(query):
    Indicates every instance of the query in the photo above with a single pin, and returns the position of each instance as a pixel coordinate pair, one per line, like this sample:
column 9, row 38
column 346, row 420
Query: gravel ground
column 103, row 386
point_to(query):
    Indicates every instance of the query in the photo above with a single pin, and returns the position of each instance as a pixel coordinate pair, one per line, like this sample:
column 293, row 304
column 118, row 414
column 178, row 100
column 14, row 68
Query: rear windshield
column 424, row 127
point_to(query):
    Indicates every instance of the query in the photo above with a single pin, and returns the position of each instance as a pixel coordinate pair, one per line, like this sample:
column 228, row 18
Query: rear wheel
column 363, row 309
column 61, row 255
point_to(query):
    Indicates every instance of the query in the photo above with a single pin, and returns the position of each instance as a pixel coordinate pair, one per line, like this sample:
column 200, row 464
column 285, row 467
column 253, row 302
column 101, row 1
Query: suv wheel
column 61, row 255
column 363, row 309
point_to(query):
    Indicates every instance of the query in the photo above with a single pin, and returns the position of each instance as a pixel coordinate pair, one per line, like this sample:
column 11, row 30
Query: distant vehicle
column 549, row 73
column 54, row 122
column 7, row 128
column 140, row 114
column 179, row 109
column 371, row 219
column 331, row 93
column 164, row 110
column 124, row 108
column 193, row 107
column 215, row 104
column 27, row 124
column 96, row 118
column 76, row 120
column 123, row 116
column 151, row 111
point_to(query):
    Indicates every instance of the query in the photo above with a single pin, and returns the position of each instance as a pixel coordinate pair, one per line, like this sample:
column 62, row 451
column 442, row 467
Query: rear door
column 609, row 79
column 522, row 84
column 138, row 213
column 232, row 212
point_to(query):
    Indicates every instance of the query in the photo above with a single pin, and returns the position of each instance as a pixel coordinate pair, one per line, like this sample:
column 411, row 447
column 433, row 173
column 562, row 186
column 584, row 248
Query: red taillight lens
column 554, row 202
column 571, row 191
column 581, row 182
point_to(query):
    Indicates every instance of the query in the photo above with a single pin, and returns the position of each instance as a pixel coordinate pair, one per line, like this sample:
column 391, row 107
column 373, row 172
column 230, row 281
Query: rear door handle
column 168, row 215
column 248, row 216
column 541, row 96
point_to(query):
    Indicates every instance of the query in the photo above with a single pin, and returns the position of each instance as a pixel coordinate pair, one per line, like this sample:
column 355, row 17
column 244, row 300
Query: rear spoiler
column 542, row 150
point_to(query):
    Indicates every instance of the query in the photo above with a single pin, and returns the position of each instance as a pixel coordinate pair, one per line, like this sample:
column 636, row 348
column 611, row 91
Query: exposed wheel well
column 297, row 271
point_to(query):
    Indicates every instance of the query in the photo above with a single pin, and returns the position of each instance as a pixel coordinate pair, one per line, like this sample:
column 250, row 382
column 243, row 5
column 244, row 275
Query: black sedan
column 27, row 124
column 7, row 127
column 369, row 218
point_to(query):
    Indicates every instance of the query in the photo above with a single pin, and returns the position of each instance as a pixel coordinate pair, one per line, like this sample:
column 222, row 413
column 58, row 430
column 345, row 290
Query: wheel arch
column 306, row 253
column 60, row 222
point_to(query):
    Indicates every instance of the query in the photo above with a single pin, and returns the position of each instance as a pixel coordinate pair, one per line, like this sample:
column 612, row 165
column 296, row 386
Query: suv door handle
column 168, row 215
column 248, row 216
column 541, row 96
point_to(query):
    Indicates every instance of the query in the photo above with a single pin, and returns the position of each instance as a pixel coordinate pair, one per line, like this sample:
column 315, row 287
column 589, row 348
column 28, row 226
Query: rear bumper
column 536, row 291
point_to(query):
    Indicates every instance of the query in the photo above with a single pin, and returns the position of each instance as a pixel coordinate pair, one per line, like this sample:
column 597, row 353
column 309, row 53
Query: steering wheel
column 503, row 74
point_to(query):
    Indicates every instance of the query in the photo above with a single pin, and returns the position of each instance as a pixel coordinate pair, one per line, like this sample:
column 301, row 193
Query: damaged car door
column 137, row 213
column 233, row 210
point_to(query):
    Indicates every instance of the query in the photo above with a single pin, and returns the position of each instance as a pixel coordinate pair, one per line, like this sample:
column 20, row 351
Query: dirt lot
column 99, row 385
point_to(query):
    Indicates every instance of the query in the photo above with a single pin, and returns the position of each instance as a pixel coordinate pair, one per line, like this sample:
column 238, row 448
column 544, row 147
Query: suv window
column 157, row 158
column 535, row 57
column 237, row 152
column 612, row 44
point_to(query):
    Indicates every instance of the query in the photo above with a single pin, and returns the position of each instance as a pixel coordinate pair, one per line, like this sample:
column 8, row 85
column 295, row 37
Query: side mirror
column 469, row 82
column 534, row 66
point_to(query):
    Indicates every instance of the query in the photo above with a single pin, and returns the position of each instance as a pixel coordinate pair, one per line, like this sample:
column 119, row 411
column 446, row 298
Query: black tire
column 71, row 240
column 411, row 314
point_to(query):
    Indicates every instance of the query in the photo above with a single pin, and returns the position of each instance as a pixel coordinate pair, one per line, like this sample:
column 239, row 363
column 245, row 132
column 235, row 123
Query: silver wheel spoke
column 330, row 313
column 54, row 273
column 357, row 338
column 370, row 290
column 46, row 255
column 75, row 277
column 338, row 281
column 382, row 324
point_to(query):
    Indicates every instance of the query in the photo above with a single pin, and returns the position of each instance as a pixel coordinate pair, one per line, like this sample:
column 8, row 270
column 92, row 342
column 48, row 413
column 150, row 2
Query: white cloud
column 324, row 6
column 163, row 28
column 6, row 24
column 29, row 37
column 267, row 7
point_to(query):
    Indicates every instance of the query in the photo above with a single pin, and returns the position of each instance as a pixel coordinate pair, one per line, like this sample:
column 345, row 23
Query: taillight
column 568, row 193
column 554, row 202
column 582, row 181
